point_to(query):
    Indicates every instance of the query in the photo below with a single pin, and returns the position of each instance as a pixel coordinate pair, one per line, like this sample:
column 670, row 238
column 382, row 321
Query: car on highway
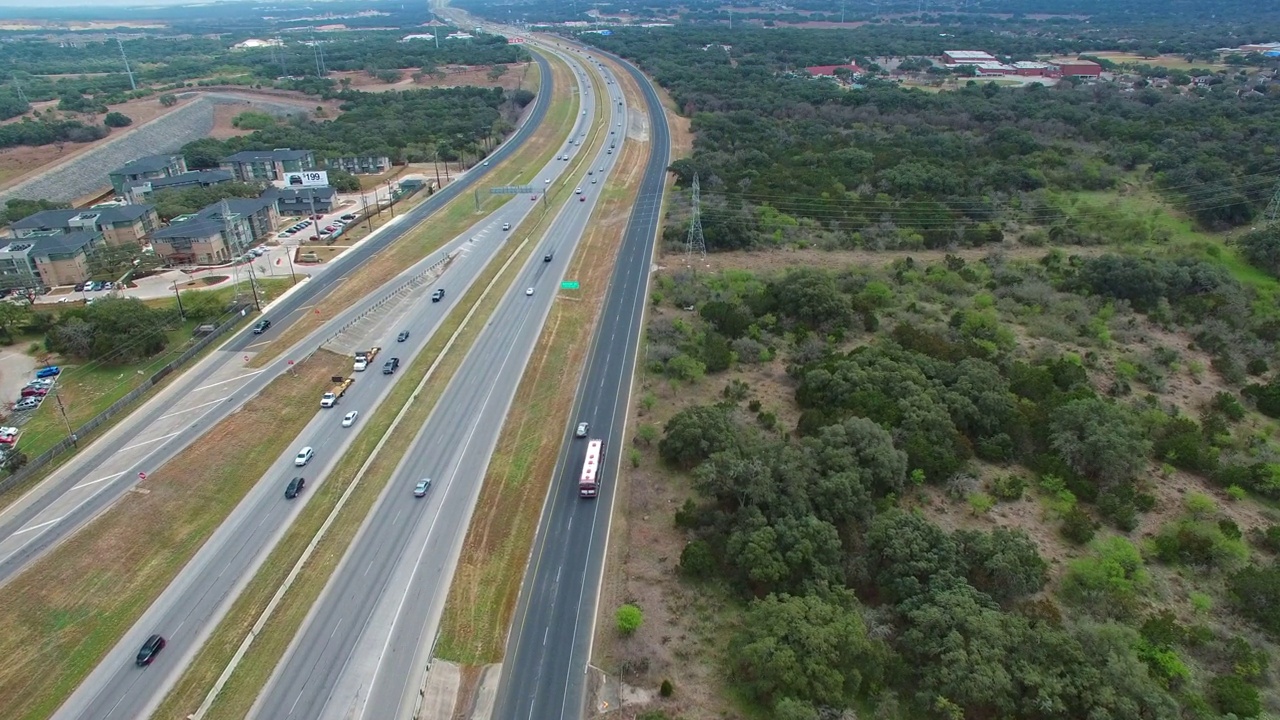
column 547, row 257
column 582, row 198
column 304, row 456
column 350, row 418
column 262, row 326
column 438, row 295
column 528, row 291
column 506, row 226
column 422, row 487
column 609, row 152
column 486, row 163
column 404, row 335
column 150, row 649
column 28, row 403
column 390, row 366
column 582, row 430
column 48, row 371
column 591, row 172
column 577, row 191
column 294, row 487
column 593, row 180
column 546, row 181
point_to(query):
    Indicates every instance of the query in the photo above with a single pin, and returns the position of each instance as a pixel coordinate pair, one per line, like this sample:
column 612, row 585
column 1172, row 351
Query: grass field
column 446, row 224
column 70, row 607
column 1173, row 62
column 491, row 568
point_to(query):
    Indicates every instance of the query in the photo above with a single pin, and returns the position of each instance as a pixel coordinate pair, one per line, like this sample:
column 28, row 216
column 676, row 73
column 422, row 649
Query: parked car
column 28, row 403
column 8, row 435
column 48, row 371
column 330, row 228
column 348, row 217
column 294, row 487
column 79, row 287
column 150, row 649
column 42, row 382
column 350, row 418
column 316, row 217
column 34, row 391
column 304, row 456
column 422, row 487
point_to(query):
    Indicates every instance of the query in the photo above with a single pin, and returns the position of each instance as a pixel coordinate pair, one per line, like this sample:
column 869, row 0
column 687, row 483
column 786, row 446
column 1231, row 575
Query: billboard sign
column 307, row 178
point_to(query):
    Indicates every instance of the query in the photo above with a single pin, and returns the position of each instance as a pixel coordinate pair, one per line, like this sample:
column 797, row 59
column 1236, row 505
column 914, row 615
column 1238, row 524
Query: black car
column 404, row 335
column 390, row 366
column 546, row 258
column 438, row 295
column 261, row 327
column 294, row 488
column 79, row 287
column 150, row 649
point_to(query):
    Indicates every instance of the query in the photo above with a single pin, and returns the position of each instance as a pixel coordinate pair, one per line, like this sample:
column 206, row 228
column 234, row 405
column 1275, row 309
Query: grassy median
column 256, row 667
column 71, row 606
column 491, row 568
column 446, row 224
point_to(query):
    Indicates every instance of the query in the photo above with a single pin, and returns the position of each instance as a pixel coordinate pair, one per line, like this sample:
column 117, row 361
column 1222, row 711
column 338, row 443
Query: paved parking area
column 17, row 368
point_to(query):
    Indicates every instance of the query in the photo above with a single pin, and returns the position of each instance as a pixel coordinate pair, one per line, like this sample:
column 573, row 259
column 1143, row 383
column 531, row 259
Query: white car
column 582, row 430
column 350, row 418
column 546, row 181
column 577, row 191
column 593, row 181
column 304, row 456
column 506, row 226
column 528, row 291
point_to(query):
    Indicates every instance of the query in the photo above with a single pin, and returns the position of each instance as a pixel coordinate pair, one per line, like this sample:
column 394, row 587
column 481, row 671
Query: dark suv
column 390, row 366
column 150, row 649
column 438, row 295
column 262, row 326
column 546, row 258
column 294, row 488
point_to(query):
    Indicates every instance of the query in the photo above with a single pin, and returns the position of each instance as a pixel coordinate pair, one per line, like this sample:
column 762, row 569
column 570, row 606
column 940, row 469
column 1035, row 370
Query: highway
column 363, row 650
column 211, row 390
column 198, row 598
column 544, row 671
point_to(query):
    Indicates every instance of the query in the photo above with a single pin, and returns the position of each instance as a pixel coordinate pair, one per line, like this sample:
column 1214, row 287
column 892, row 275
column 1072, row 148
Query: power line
column 127, row 71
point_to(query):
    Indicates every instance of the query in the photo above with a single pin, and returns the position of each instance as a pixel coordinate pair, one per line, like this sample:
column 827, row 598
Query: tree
column 117, row 120
column 789, row 554
column 12, row 316
column 1256, row 594
column 343, row 181
column 168, row 100
column 808, row 648
column 1232, row 695
column 202, row 306
column 115, row 331
column 812, row 299
column 629, row 619
column 858, row 444
column 693, row 434
column 1100, row 440
column 182, row 201
column 907, row 554
column 496, row 72
column 16, row 209
column 1110, row 582
column 1004, row 564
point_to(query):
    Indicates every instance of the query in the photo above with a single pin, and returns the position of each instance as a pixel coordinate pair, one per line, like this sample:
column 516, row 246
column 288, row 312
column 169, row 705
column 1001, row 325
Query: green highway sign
column 569, row 285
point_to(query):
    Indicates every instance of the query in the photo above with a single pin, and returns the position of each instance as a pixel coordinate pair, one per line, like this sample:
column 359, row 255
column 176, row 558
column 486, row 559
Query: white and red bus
column 589, row 482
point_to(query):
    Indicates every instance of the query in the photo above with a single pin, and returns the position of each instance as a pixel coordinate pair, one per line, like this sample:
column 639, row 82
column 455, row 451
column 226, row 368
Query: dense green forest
column 783, row 157
column 964, row 388
column 449, row 124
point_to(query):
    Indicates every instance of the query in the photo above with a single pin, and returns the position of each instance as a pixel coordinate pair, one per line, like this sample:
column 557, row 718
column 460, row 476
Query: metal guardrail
column 35, row 464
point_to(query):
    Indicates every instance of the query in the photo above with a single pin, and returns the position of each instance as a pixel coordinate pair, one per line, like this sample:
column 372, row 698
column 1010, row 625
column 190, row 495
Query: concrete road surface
column 109, row 467
column 363, row 650
column 198, row 598
column 544, row 673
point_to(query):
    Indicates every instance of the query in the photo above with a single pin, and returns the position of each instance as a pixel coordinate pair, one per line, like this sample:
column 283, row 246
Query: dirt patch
column 69, row 608
column 223, row 117
column 445, row 77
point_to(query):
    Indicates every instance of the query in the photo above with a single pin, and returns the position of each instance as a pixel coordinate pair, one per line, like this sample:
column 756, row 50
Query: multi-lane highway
column 363, row 649
column 188, row 610
column 209, row 391
column 544, row 672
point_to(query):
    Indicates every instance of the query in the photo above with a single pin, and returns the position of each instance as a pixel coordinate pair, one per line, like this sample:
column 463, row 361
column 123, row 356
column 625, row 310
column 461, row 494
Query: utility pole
column 391, row 200
column 696, row 241
column 65, row 421
column 127, row 71
column 315, row 224
column 181, row 314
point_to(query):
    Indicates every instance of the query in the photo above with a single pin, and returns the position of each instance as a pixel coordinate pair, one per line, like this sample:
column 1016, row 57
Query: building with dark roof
column 299, row 201
column 268, row 165
column 360, row 164
column 49, row 258
column 118, row 224
column 210, row 238
column 141, row 192
column 136, row 172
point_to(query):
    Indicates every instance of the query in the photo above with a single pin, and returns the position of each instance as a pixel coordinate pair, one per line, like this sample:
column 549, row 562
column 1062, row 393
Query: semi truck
column 340, row 385
column 364, row 357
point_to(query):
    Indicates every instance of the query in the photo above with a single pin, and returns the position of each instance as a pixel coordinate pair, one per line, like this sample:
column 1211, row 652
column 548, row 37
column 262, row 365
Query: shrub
column 1235, row 493
column 1078, row 527
column 629, row 619
column 117, row 120
column 1232, row 695
column 697, row 560
column 667, row 689
column 1008, row 487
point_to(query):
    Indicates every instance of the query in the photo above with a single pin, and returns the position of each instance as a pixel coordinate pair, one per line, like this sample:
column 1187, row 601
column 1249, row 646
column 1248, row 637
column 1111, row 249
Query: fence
column 35, row 464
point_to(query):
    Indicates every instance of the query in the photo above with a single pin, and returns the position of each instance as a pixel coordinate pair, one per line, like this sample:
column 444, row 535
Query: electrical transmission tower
column 21, row 95
column 1273, row 208
column 696, row 241
column 127, row 71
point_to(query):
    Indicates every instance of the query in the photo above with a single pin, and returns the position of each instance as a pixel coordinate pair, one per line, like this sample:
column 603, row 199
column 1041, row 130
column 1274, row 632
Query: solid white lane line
column 197, row 407
column 95, row 482
column 37, row 527
column 224, row 382
column 148, row 442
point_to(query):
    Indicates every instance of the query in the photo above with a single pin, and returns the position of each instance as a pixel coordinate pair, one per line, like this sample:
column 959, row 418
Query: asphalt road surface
column 363, row 650
column 544, row 673
column 206, row 393
column 198, row 598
